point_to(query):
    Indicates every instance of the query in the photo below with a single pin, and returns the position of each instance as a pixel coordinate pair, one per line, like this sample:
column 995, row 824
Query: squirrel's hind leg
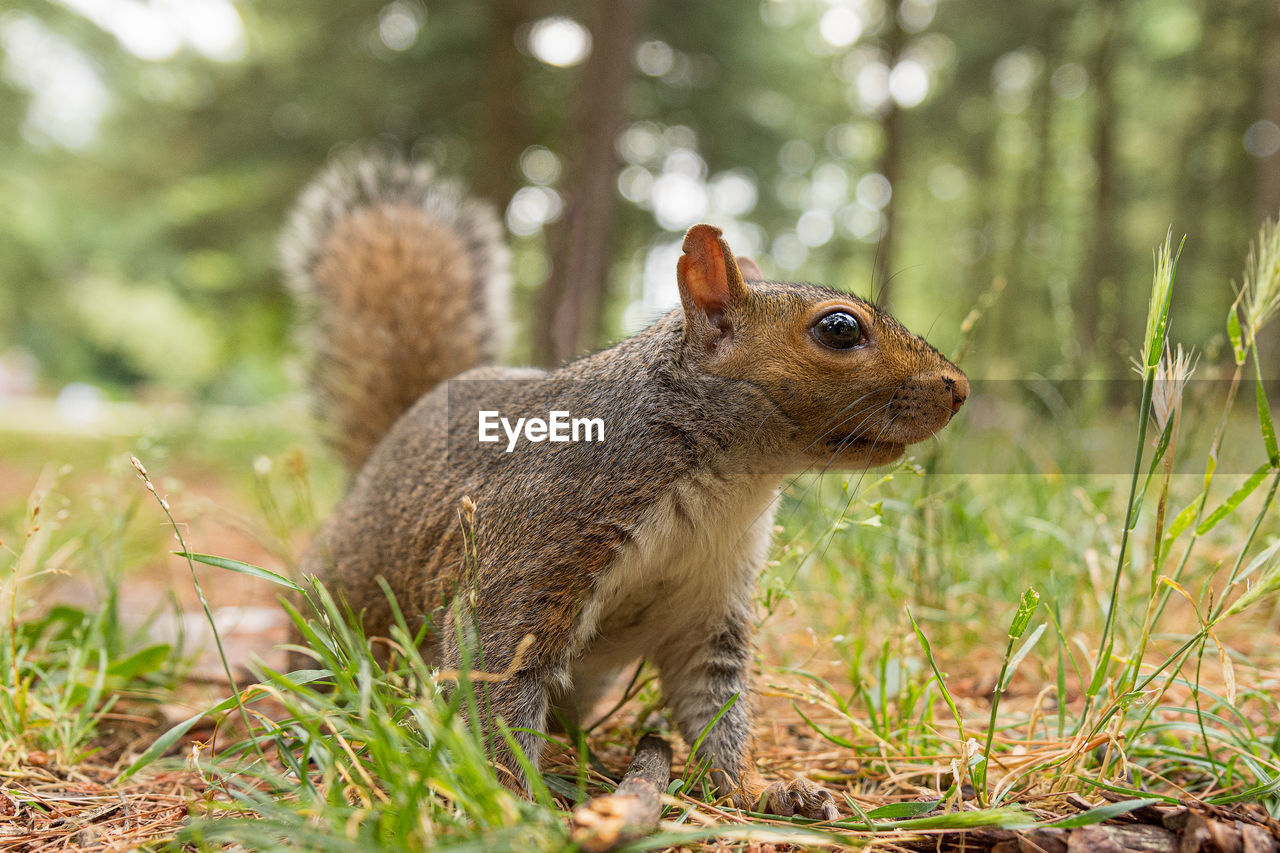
column 521, row 703
column 520, row 699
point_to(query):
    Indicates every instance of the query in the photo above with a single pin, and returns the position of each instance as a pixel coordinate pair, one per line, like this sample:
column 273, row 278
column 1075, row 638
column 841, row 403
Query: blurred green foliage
column 1046, row 145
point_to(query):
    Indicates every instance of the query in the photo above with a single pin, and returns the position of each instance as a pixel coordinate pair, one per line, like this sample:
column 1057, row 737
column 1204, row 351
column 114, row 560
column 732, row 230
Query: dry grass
column 88, row 810
column 87, row 806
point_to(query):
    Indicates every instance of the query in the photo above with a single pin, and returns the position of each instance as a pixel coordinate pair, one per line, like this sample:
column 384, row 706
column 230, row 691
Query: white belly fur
column 702, row 543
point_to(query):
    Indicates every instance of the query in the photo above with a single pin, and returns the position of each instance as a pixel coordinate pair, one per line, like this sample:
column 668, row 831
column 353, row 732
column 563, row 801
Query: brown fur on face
column 865, row 404
column 851, row 408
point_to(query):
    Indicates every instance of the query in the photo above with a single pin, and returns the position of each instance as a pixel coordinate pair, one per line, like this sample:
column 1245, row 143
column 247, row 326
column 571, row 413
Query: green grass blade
column 1005, row 817
column 1236, row 333
column 1100, row 814
column 142, row 662
column 537, row 785
column 826, row 735
column 1162, row 447
column 1259, row 561
column 243, row 568
column 1126, row 792
column 1021, row 654
column 1265, row 422
column 696, row 764
column 937, row 674
column 1101, row 668
column 163, row 743
column 1266, row 789
column 902, row 810
column 1235, row 499
column 860, row 813
column 1181, row 522
column 1027, row 607
column 1161, row 298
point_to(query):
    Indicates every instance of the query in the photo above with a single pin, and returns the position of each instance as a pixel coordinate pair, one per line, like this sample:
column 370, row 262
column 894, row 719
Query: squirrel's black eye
column 839, row 330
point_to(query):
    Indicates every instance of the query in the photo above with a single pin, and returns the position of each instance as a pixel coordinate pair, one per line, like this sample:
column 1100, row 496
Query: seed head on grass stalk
column 1257, row 302
column 1153, row 344
column 204, row 602
column 1172, row 373
column 1259, row 298
column 1268, row 585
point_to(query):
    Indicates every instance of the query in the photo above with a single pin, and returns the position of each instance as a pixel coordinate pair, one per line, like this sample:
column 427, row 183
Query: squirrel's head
column 854, row 385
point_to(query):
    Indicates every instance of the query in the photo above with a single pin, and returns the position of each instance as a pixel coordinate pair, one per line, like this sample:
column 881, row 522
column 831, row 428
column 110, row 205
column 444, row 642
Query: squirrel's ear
column 750, row 269
column 710, row 280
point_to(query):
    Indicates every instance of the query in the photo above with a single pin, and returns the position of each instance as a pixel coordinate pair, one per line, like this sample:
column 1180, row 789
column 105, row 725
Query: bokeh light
column 399, row 24
column 560, row 41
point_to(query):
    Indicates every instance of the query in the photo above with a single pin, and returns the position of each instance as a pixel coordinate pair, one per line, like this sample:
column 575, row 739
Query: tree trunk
column 1195, row 184
column 1102, row 263
column 1029, row 273
column 1267, row 202
column 572, row 300
column 890, row 156
column 505, row 132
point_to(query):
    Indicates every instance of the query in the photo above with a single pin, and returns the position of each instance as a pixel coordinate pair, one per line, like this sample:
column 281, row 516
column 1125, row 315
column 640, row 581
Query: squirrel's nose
column 959, row 388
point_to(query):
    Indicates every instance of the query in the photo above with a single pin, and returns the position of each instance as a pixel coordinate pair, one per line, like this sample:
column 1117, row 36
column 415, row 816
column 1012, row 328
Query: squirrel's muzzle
column 958, row 385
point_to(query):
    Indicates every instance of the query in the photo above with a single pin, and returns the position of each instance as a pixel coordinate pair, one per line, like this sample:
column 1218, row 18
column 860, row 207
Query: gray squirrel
column 581, row 557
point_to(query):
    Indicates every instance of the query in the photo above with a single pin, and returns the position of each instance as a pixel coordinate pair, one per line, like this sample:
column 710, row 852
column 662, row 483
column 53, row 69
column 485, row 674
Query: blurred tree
column 148, row 161
column 507, row 127
column 893, row 41
column 1103, row 262
column 1268, row 197
column 573, row 296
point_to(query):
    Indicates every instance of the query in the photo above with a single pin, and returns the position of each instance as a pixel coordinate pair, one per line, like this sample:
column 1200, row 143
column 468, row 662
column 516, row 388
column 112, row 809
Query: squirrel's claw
column 801, row 797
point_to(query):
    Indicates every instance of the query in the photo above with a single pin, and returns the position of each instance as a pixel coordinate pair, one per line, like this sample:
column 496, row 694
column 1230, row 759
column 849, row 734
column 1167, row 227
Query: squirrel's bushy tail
column 407, row 280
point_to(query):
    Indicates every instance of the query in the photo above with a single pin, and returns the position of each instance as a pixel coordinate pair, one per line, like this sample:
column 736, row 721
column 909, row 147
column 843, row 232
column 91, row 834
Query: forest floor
column 885, row 631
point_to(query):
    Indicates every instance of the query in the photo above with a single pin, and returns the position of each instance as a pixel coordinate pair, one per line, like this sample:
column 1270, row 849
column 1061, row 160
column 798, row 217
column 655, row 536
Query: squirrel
column 580, row 557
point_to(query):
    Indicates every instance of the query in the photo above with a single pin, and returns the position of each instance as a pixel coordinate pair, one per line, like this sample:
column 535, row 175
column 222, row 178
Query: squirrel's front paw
column 798, row 797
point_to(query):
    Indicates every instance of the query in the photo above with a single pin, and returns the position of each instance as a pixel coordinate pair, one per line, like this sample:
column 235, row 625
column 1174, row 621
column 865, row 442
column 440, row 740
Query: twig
column 632, row 811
